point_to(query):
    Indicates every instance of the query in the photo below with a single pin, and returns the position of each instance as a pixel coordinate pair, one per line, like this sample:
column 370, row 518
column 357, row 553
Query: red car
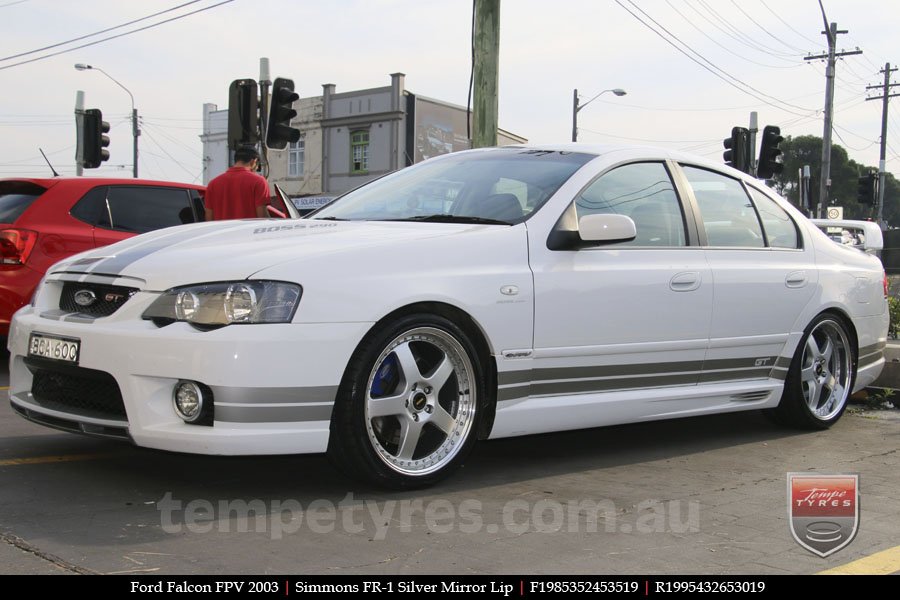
column 45, row 220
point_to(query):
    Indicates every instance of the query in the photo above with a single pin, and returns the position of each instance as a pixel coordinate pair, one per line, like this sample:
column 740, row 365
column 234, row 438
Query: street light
column 576, row 107
column 135, row 131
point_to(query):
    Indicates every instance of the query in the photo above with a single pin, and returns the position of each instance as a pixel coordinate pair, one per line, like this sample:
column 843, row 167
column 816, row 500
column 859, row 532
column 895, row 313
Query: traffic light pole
column 79, row 132
column 135, row 132
column 885, row 96
column 264, row 83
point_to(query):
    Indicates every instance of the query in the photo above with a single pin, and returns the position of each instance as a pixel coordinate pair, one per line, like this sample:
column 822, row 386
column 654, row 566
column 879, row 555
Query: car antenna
column 55, row 174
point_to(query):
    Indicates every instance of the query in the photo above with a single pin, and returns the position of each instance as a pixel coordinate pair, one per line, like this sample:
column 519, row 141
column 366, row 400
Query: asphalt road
column 703, row 496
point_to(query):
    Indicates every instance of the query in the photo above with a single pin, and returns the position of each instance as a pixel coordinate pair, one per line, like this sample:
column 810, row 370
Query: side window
column 91, row 206
column 781, row 232
column 644, row 192
column 143, row 209
column 728, row 215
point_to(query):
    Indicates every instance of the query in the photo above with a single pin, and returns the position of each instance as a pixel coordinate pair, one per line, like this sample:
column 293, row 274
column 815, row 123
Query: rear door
column 763, row 277
column 121, row 211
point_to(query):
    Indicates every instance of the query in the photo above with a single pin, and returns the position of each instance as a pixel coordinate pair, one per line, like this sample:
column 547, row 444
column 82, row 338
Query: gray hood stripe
column 114, row 265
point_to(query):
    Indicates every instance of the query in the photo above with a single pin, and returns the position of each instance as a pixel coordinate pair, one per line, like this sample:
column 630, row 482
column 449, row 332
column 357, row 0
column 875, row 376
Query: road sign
column 835, row 212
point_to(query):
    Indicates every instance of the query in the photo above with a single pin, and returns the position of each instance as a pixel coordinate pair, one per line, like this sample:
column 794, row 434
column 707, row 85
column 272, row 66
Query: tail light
column 16, row 245
column 887, row 286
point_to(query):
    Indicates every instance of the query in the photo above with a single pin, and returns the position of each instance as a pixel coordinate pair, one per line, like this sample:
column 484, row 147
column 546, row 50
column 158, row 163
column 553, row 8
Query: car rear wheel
column 821, row 376
column 408, row 407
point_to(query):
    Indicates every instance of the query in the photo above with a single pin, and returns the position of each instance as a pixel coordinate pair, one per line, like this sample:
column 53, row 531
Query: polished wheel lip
column 826, row 370
column 416, row 403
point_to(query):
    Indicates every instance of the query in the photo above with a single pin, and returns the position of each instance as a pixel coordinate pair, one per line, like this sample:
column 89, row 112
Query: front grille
column 105, row 299
column 76, row 390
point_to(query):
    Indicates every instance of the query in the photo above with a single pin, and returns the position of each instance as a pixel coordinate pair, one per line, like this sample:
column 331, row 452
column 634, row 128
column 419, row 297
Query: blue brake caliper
column 387, row 377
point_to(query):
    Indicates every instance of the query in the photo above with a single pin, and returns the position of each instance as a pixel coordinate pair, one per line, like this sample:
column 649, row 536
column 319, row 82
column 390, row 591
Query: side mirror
column 606, row 229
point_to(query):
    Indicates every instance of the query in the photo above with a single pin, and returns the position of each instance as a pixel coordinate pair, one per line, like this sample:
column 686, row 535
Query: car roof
column 88, row 182
column 636, row 151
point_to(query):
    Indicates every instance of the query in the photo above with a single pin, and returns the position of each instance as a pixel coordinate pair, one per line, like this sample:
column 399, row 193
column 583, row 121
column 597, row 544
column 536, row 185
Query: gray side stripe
column 713, row 376
column 873, row 348
column 865, row 361
column 604, row 385
column 783, row 362
column 273, row 414
column 649, row 369
column 256, row 395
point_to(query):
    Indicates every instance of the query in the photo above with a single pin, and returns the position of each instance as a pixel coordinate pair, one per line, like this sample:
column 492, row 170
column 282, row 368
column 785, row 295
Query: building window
column 359, row 151
column 296, row 156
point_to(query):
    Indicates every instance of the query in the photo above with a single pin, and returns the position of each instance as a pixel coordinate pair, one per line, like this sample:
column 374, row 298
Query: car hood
column 232, row 250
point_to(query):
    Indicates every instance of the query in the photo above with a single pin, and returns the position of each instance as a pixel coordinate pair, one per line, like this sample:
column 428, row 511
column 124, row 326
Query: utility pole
column 884, row 97
column 831, row 32
column 487, row 72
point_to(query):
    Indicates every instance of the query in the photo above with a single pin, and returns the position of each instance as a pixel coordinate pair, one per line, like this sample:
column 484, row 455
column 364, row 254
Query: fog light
column 188, row 400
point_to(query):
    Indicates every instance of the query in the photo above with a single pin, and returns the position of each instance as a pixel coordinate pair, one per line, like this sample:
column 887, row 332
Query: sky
column 692, row 69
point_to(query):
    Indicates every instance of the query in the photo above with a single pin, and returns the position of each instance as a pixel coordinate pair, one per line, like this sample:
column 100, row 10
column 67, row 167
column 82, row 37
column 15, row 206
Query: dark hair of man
column 245, row 154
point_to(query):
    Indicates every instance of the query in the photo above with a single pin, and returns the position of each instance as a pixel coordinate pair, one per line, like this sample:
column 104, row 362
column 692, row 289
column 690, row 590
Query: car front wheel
column 407, row 410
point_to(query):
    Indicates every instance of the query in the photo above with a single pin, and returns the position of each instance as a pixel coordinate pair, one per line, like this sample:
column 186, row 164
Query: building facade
column 351, row 137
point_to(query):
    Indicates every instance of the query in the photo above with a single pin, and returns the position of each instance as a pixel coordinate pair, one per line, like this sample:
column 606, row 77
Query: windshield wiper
column 327, row 219
column 444, row 218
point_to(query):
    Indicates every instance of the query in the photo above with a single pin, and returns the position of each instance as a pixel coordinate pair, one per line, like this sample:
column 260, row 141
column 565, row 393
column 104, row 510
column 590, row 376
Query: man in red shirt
column 238, row 193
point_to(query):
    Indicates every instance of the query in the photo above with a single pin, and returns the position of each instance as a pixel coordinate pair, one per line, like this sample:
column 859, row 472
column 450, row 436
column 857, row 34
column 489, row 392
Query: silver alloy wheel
column 825, row 370
column 420, row 404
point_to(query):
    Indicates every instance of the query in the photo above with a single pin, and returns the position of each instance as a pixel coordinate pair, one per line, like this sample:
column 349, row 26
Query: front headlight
column 227, row 303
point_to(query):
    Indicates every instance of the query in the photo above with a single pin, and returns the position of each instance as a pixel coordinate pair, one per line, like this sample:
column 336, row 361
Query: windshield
column 501, row 186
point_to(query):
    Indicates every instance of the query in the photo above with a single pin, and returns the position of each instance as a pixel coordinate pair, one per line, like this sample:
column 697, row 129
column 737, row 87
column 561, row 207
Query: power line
column 724, row 76
column 729, row 50
column 113, row 37
column 789, row 26
column 735, row 33
column 78, row 39
column 765, row 30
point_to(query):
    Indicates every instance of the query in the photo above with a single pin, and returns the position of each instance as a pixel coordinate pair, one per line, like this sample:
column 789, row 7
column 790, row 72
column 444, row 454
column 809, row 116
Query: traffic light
column 93, row 139
column 279, row 131
column 243, row 113
column 737, row 149
column 865, row 187
column 769, row 152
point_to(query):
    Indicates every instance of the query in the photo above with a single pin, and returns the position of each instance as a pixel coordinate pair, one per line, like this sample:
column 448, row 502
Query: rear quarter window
column 16, row 197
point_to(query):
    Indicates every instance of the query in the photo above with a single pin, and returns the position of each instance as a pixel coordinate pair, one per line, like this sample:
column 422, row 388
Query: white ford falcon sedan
column 482, row 294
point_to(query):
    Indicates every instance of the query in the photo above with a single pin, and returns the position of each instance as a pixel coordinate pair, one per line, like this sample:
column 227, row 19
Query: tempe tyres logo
column 823, row 510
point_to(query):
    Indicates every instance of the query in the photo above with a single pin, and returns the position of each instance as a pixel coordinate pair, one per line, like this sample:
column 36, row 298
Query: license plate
column 56, row 348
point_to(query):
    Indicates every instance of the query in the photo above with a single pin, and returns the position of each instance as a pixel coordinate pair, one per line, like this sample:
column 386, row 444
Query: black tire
column 407, row 410
column 821, row 376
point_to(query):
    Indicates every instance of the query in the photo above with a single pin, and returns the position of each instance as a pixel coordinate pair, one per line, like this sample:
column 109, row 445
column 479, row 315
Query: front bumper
column 273, row 385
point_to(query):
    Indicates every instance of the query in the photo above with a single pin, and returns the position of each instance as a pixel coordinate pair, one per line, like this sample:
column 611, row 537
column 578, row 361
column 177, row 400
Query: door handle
column 687, row 281
column 797, row 279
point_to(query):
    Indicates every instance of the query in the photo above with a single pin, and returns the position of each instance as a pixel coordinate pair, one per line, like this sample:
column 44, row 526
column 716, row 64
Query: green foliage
column 807, row 150
column 894, row 310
